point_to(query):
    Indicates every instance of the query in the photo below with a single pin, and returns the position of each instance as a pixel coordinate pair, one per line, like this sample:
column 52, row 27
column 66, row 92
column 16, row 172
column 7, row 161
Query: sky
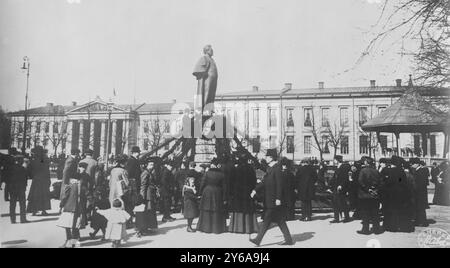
column 146, row 49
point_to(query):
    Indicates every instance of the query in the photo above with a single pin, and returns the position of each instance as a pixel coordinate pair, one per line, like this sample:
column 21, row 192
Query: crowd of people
column 392, row 196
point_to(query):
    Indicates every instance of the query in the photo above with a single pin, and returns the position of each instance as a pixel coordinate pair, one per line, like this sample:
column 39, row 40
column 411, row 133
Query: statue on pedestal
column 206, row 73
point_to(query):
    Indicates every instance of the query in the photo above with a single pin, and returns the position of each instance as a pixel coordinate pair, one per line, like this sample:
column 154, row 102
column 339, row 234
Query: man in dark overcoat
column 421, row 175
column 166, row 191
column 274, row 201
column 289, row 188
column 339, row 187
column 306, row 180
column 369, row 182
column 70, row 168
column 133, row 167
column 17, row 185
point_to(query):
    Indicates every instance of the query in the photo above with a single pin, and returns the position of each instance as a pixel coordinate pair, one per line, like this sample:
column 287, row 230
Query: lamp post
column 26, row 66
column 107, row 134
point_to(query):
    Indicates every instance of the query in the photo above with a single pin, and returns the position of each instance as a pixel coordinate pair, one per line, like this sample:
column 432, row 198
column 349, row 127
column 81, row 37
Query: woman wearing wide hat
column 212, row 210
column 242, row 206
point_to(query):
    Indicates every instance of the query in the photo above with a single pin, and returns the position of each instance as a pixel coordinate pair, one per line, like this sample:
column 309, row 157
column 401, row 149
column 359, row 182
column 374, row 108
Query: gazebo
column 411, row 114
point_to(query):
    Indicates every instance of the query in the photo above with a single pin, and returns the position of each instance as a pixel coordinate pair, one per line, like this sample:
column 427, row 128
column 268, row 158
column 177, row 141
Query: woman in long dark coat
column 146, row 219
column 398, row 196
column 212, row 210
column 242, row 207
column 39, row 195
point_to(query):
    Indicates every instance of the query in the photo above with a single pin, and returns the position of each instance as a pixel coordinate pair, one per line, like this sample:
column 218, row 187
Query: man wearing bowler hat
column 133, row 167
column 274, row 201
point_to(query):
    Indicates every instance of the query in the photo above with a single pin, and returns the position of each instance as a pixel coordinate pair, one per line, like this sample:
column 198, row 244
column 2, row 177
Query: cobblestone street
column 42, row 232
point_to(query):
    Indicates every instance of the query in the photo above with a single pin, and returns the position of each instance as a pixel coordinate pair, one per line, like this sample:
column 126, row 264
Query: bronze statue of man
column 206, row 73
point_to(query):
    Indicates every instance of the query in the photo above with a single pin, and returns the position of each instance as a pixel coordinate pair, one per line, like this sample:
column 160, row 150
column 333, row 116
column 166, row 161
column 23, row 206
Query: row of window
column 40, row 126
column 309, row 143
column 155, row 126
column 309, row 117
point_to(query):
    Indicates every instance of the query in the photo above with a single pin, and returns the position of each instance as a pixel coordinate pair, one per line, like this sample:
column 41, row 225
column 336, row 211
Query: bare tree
column 153, row 132
column 424, row 20
column 317, row 131
column 335, row 133
column 58, row 135
column 433, row 61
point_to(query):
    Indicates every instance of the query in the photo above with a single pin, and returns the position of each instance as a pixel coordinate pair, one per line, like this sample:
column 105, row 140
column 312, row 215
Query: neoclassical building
column 299, row 122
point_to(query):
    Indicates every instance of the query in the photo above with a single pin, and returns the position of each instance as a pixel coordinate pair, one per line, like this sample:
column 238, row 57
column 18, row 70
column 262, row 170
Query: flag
column 114, row 92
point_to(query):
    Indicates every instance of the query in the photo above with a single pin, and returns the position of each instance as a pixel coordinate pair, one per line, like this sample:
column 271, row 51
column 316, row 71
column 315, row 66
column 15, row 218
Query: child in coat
column 72, row 208
column 98, row 221
column 117, row 218
column 190, row 210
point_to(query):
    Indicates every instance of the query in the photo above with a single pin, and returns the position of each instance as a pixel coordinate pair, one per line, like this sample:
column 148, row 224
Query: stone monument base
column 205, row 151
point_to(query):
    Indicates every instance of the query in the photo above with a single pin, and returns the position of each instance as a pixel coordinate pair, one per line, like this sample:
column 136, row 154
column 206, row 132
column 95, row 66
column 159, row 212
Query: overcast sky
column 83, row 48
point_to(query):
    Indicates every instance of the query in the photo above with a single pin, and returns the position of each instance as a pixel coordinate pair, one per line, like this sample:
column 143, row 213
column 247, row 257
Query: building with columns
column 104, row 127
column 299, row 122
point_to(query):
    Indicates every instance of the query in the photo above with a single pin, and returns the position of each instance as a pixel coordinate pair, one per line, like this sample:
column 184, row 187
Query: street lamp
column 26, row 66
column 107, row 134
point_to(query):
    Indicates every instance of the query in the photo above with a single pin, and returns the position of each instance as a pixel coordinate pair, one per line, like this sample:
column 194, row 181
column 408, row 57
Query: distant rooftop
column 255, row 93
column 61, row 110
column 335, row 91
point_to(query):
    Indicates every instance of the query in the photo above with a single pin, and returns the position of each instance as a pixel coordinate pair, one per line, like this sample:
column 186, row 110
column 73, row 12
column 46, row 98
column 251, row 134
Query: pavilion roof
column 412, row 113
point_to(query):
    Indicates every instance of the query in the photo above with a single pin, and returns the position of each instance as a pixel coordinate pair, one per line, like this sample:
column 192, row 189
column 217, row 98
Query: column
column 125, row 138
column 14, row 134
column 141, row 134
column 92, row 134
column 102, row 138
column 113, row 137
column 69, row 137
column 42, row 135
column 51, row 138
column 32, row 134
column 81, row 136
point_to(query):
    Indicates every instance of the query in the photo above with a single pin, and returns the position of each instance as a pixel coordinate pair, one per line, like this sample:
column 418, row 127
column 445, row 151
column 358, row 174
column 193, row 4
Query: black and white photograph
column 231, row 125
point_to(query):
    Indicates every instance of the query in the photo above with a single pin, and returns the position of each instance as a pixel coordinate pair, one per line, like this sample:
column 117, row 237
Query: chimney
column 321, row 85
column 49, row 104
column 74, row 103
column 372, row 83
column 287, row 86
column 255, row 89
column 398, row 82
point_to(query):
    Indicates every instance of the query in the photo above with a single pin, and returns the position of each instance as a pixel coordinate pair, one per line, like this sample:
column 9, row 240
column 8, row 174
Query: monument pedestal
column 205, row 151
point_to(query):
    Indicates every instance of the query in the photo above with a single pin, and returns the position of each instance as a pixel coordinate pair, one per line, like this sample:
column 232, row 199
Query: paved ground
column 42, row 232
